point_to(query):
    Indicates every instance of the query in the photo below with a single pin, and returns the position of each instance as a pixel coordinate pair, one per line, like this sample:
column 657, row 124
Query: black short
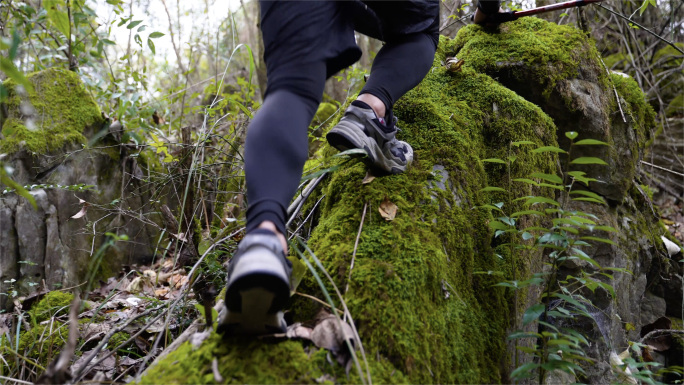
column 302, row 32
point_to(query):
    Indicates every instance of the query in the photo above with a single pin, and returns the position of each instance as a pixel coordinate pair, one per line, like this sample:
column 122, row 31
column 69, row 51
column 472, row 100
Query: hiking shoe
column 258, row 286
column 361, row 128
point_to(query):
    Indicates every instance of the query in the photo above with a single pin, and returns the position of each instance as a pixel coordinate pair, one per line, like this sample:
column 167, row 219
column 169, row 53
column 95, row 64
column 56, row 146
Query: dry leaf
column 368, row 178
column 296, row 330
column 84, row 208
column 94, row 331
column 177, row 280
column 332, row 334
column 181, row 236
column 161, row 293
column 135, row 286
column 388, row 210
column 151, row 274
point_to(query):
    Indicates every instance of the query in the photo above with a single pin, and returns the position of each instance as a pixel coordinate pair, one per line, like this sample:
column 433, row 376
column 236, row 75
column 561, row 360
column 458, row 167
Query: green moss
column 424, row 312
column 549, row 50
column 637, row 109
column 54, row 303
column 43, row 342
column 62, row 107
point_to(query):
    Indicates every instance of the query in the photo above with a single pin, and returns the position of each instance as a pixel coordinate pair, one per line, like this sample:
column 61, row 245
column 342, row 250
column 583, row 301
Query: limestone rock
column 43, row 245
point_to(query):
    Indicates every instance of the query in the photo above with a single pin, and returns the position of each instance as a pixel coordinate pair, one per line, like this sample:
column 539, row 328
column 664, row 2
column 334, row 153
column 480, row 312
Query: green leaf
column 588, row 142
column 494, row 160
column 151, row 45
column 107, row 41
column 298, row 272
column 607, row 287
column 585, row 199
column 57, row 16
column 11, row 71
column 586, row 194
column 496, row 225
column 133, row 24
column 571, row 135
column 507, row 220
column 588, row 160
column 155, row 35
column 549, row 149
column 491, row 188
column 19, row 189
column 535, row 200
column 491, row 207
column 556, row 186
column 598, row 239
column 606, row 228
column 547, row 177
column 526, row 212
column 532, row 313
column 525, row 370
column 576, row 174
column 521, row 142
column 521, row 334
column 525, row 180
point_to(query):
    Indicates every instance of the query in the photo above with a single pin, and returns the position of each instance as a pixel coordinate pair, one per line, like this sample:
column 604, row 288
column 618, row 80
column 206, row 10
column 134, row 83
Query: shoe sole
column 351, row 137
column 257, row 292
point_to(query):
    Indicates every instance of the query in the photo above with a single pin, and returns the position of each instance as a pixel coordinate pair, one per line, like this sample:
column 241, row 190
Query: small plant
column 561, row 233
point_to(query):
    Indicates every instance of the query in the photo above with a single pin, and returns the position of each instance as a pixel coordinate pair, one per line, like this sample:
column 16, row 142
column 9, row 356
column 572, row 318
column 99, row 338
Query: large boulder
column 422, row 288
column 44, row 138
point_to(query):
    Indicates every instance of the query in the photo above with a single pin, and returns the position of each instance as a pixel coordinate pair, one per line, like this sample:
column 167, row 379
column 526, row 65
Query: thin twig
column 662, row 168
column 314, row 298
column 660, row 331
column 15, row 380
column 356, row 245
column 641, row 26
column 617, row 97
column 184, row 291
column 214, row 368
column 82, row 370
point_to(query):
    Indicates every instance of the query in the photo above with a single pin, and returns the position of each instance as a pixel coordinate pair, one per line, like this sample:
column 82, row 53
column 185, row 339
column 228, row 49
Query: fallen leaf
column 161, row 293
column 94, row 331
column 177, row 280
column 181, row 237
column 128, row 361
column 151, row 274
column 296, row 330
column 368, row 178
column 388, row 210
column 81, row 213
column 135, row 286
column 167, row 265
column 332, row 334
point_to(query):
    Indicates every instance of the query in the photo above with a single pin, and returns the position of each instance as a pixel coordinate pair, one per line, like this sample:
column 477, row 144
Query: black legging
column 277, row 140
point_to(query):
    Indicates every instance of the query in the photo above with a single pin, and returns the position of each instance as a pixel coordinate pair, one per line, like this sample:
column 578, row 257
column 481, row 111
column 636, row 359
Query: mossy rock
column 58, row 111
column 44, row 342
column 422, row 290
column 54, row 303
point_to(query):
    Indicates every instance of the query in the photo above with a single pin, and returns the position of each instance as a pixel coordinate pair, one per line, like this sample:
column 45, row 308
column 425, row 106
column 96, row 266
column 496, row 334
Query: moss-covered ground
column 425, row 306
column 54, row 113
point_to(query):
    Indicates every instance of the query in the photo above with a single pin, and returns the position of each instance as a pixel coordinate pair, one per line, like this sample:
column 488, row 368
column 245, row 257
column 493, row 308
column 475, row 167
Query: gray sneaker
column 258, row 287
column 361, row 128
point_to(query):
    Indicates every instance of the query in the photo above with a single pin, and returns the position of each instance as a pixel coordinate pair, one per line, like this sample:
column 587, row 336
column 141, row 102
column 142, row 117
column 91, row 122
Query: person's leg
column 368, row 123
column 277, row 145
column 276, row 148
column 398, row 67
